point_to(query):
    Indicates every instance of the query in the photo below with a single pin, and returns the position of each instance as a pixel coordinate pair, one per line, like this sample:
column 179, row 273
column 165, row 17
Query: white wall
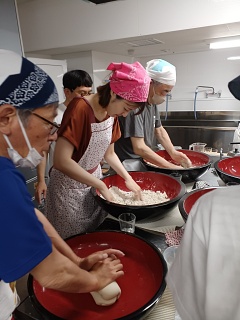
column 210, row 68
column 10, row 36
column 80, row 60
column 101, row 61
column 62, row 23
column 93, row 62
column 55, row 69
column 59, row 23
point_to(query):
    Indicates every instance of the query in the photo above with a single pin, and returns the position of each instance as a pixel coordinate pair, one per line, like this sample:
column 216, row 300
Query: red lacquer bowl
column 188, row 200
column 154, row 181
column 201, row 163
column 228, row 169
column 142, row 284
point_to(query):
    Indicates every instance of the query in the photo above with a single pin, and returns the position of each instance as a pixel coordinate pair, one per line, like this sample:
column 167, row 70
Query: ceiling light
column 234, row 58
column 225, row 44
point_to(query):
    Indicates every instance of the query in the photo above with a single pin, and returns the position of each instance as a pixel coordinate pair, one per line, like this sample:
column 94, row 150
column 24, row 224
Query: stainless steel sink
column 214, row 128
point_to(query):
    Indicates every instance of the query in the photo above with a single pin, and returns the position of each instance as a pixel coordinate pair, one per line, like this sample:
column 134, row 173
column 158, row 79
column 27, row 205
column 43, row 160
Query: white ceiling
column 191, row 40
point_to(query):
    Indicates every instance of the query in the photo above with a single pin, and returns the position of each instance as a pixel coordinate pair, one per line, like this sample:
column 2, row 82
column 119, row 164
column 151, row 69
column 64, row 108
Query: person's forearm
column 57, row 272
column 63, row 162
column 74, row 171
column 57, row 241
column 164, row 139
column 141, row 149
column 41, row 168
column 152, row 157
column 113, row 160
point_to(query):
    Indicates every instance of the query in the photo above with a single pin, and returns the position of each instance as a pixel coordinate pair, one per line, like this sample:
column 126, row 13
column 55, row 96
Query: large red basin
column 201, row 163
column 228, row 169
column 188, row 200
column 142, row 284
column 154, row 181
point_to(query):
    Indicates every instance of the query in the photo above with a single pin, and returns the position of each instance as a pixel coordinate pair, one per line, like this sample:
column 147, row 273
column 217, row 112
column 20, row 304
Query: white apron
column 70, row 205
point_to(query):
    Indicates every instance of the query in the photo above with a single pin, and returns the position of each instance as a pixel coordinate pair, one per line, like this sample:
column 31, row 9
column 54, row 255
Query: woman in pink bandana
column 87, row 135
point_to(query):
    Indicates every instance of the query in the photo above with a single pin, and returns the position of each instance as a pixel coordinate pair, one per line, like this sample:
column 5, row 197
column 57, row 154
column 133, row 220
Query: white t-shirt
column 61, row 109
column 8, row 301
column 205, row 275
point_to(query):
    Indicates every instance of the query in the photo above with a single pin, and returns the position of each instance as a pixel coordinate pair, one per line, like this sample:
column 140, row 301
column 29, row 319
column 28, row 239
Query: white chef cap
column 161, row 71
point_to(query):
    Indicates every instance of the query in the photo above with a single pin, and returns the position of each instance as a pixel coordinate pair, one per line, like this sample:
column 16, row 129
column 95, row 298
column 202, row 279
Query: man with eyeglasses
column 138, row 131
column 28, row 242
column 76, row 83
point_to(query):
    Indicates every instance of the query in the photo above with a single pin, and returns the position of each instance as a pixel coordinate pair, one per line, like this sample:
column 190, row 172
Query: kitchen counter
column 150, row 229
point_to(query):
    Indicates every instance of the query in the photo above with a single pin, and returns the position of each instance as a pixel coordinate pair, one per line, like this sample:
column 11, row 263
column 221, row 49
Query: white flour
column 127, row 198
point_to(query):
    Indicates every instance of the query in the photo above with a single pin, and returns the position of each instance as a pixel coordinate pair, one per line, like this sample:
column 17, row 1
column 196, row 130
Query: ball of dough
column 108, row 295
column 100, row 301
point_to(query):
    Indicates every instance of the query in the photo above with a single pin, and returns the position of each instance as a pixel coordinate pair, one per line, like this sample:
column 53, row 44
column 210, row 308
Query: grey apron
column 70, row 205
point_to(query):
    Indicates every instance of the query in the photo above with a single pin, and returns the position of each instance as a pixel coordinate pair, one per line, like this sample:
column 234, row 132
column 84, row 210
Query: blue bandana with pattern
column 28, row 89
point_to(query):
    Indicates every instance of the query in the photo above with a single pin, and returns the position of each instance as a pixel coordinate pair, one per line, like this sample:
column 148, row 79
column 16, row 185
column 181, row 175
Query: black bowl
column 201, row 162
column 187, row 201
column 228, row 169
column 142, row 285
column 153, row 181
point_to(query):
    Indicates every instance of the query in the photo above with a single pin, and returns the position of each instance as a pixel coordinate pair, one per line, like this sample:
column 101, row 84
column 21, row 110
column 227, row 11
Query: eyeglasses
column 54, row 125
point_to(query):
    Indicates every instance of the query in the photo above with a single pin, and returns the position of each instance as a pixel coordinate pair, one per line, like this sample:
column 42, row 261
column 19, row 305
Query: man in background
column 76, row 83
column 138, row 131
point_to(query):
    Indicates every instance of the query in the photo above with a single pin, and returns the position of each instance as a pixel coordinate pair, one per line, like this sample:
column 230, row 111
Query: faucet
column 168, row 96
column 204, row 87
column 207, row 94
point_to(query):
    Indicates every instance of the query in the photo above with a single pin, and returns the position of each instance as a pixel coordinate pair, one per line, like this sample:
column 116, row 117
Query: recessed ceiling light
column 225, row 44
column 234, row 58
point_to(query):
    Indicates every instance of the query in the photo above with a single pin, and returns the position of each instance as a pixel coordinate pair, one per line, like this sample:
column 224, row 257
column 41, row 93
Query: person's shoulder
column 225, row 192
column 11, row 178
column 217, row 202
column 5, row 163
column 7, row 167
column 77, row 103
column 78, row 107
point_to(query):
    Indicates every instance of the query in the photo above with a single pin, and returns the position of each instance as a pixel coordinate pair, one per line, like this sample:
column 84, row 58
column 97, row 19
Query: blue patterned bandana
column 23, row 84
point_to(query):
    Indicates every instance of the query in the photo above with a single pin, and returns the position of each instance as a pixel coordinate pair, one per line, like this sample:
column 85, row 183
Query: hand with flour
column 88, row 262
column 97, row 263
column 106, row 271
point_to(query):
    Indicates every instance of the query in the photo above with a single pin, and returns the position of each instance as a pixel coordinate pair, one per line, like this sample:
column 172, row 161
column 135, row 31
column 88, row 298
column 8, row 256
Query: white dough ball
column 108, row 295
column 100, row 301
